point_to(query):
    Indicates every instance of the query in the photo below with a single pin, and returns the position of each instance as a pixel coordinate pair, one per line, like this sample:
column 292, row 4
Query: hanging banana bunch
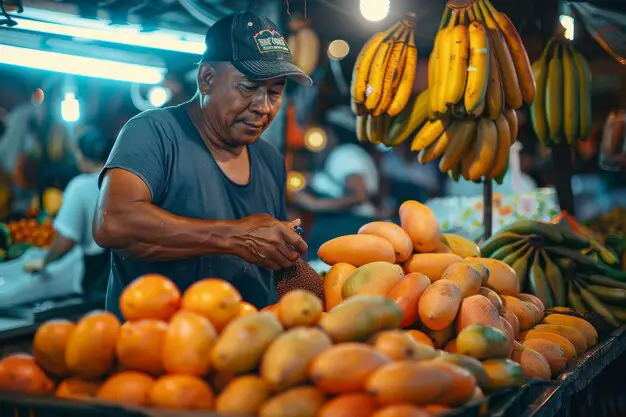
column 562, row 106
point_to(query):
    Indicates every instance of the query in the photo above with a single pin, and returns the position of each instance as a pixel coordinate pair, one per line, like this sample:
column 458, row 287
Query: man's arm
column 127, row 221
column 60, row 246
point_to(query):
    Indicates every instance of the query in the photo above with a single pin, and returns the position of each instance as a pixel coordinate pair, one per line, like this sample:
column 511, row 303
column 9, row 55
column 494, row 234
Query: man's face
column 240, row 109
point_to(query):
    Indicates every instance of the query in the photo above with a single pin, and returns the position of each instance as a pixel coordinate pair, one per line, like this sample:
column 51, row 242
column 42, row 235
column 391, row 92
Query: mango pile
column 19, row 235
column 562, row 268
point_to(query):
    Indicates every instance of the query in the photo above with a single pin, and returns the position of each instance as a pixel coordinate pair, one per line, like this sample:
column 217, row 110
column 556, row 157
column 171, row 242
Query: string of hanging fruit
column 479, row 74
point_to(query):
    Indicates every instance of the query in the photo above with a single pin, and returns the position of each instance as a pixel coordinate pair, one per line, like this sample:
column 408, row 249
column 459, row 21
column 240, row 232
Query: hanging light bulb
column 315, row 139
column 158, row 95
column 338, row 49
column 295, row 181
column 70, row 108
column 374, row 10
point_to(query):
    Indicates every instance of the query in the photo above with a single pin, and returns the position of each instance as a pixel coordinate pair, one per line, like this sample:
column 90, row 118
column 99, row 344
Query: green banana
column 409, row 119
column 606, row 254
column 534, row 227
column 610, row 295
column 571, row 96
column 574, row 300
column 603, row 281
column 574, row 255
column 554, row 96
column 506, row 250
column 596, row 305
column 538, row 282
column 513, row 256
column 497, row 241
column 619, row 313
column 555, row 279
column 571, row 239
column 520, row 266
column 565, row 265
column 538, row 107
column 499, row 179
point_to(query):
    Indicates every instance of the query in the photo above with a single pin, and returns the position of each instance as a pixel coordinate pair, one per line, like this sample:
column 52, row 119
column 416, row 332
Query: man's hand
column 262, row 240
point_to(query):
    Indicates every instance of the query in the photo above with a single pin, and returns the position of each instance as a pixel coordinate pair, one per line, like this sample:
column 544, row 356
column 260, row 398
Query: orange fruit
column 19, row 373
column 76, row 388
column 188, row 343
column 246, row 308
column 140, row 345
column 420, row 337
column 49, row 345
column 181, row 392
column 150, row 296
column 215, row 299
column 90, row 351
column 400, row 410
column 349, row 405
column 407, row 294
column 128, row 387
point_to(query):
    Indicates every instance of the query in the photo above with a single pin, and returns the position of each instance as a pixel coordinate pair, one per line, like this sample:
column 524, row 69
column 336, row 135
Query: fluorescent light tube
column 80, row 65
column 125, row 35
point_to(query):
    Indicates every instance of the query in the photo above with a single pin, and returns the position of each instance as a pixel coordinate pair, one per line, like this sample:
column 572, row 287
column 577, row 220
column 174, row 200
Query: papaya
column 473, row 365
column 333, row 284
column 398, row 345
column 533, row 364
column 476, row 309
column 570, row 333
column 568, row 348
column 403, row 410
column 463, row 385
column 420, row 337
column 254, row 389
column 408, row 382
column 407, row 294
column 461, row 245
column 483, row 342
column 440, row 337
column 187, row 344
column 512, row 319
column 297, row 402
column 493, row 297
column 241, row 345
column 507, row 329
column 466, row 277
column 502, row 278
column 480, row 267
column 373, row 278
column 393, row 233
column 439, row 304
column 433, row 265
column 503, row 373
column 361, row 316
column 353, row 405
column 299, row 308
column 345, row 367
column 525, row 312
column 535, row 300
column 582, row 325
column 286, row 360
column 551, row 351
column 421, row 225
column 357, row 250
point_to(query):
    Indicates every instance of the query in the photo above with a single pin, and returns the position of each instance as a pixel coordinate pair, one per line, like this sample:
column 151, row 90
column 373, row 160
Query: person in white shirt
column 73, row 223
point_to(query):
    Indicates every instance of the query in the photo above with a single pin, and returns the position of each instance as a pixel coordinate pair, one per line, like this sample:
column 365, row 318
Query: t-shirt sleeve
column 69, row 221
column 143, row 149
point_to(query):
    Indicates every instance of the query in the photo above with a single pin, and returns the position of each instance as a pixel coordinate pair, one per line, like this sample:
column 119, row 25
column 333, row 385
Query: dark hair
column 94, row 145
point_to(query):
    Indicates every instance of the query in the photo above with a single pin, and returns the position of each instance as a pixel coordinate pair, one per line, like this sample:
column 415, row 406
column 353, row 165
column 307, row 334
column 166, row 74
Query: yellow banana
column 371, row 129
column 502, row 147
column 518, row 53
column 383, row 129
column 405, row 86
column 434, row 65
column 512, row 92
column 411, row 118
column 494, row 97
column 376, row 77
column 457, row 66
column 478, row 69
column 570, row 96
column 584, row 86
column 362, row 67
column 361, row 128
column 511, row 118
column 460, row 143
column 439, row 146
column 554, row 96
column 484, row 149
column 538, row 108
column 428, row 134
column 445, row 50
column 401, row 65
column 391, row 72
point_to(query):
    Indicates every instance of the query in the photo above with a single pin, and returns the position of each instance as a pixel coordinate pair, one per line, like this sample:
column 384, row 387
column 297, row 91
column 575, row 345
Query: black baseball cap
column 254, row 45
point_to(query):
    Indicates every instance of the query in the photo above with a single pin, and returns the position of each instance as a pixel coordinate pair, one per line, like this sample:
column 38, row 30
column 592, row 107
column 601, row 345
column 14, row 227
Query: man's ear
column 207, row 74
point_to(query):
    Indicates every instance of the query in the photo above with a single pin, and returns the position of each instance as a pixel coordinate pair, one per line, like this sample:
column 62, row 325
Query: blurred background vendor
column 74, row 220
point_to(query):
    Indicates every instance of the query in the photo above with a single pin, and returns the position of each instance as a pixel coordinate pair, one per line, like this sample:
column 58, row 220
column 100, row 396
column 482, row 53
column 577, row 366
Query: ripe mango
column 357, row 250
column 460, row 245
column 483, row 342
column 373, row 278
column 503, row 373
column 361, row 316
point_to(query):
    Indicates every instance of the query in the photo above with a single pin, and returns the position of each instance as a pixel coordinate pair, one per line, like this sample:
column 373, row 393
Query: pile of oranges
column 32, row 232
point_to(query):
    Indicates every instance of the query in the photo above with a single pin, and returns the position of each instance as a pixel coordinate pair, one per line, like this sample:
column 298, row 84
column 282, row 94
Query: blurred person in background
column 343, row 194
column 73, row 223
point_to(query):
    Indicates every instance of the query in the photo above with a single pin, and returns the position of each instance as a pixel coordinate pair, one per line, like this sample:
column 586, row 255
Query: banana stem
column 444, row 18
column 454, row 17
column 477, row 11
column 470, row 12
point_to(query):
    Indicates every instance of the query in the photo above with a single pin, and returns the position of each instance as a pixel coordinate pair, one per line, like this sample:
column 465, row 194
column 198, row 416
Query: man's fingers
column 295, row 241
column 288, row 252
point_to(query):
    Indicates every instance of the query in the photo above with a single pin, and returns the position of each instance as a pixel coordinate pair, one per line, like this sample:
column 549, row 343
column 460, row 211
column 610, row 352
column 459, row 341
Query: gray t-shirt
column 166, row 151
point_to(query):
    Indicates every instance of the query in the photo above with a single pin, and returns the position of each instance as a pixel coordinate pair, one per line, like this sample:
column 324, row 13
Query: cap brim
column 260, row 70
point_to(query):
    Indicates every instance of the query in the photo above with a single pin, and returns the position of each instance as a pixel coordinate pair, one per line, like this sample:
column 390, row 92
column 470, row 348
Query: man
column 191, row 192
column 73, row 223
